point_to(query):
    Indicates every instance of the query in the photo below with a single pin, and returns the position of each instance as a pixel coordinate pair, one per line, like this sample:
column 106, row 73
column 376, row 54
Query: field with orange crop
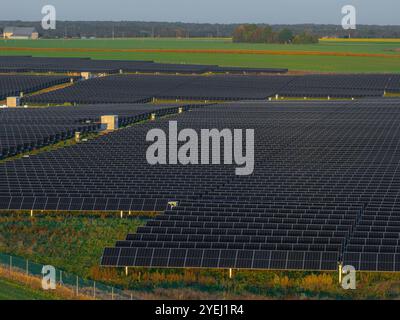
column 330, row 55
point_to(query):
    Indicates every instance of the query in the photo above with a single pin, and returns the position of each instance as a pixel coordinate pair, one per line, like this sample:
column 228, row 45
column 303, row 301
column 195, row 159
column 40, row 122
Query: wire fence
column 79, row 286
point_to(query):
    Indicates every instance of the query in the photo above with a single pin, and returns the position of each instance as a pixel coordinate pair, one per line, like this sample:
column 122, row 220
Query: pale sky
column 381, row 12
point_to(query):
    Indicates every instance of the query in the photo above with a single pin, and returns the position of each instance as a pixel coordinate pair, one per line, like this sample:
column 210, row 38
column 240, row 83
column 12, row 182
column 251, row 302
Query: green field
column 298, row 62
column 71, row 243
column 10, row 290
column 170, row 43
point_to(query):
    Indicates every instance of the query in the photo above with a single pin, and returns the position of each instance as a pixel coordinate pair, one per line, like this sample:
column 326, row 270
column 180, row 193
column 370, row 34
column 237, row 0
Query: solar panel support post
column 340, row 270
column 230, row 273
column 153, row 117
column 277, row 96
column 122, row 214
column 31, row 213
column 126, row 271
column 180, row 110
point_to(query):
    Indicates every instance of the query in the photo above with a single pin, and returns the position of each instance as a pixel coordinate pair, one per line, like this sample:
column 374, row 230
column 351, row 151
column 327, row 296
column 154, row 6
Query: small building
column 20, row 33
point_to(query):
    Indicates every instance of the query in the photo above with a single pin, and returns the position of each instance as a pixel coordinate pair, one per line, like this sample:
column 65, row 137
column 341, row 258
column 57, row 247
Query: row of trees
column 260, row 34
column 122, row 29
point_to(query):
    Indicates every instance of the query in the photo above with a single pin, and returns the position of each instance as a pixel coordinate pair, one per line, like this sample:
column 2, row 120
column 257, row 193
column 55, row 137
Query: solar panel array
column 324, row 188
column 112, row 89
column 23, row 130
column 342, row 86
column 239, row 235
column 14, row 85
column 63, row 65
column 39, row 64
column 142, row 88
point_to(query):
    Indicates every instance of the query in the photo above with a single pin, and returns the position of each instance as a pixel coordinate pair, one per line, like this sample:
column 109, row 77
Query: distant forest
column 256, row 34
column 108, row 29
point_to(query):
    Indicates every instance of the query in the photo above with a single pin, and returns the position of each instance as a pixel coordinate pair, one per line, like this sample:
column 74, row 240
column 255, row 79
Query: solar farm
column 324, row 192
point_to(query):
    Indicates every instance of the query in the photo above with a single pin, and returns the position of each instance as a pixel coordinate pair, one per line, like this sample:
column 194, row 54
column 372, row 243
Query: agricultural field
column 75, row 244
column 327, row 56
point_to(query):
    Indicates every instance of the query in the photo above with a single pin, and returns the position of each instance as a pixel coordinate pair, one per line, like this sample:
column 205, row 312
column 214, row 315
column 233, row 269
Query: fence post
column 77, row 286
column 61, row 280
column 94, row 290
column 11, row 264
column 27, row 267
column 112, row 293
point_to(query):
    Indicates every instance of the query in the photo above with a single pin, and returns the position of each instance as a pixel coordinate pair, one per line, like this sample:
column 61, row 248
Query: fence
column 79, row 286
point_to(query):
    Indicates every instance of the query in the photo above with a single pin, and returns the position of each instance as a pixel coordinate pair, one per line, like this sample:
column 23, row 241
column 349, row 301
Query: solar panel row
column 141, row 88
column 41, row 64
column 14, row 85
column 23, row 130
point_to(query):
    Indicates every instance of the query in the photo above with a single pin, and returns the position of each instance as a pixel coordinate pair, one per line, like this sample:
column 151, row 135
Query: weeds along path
column 32, row 286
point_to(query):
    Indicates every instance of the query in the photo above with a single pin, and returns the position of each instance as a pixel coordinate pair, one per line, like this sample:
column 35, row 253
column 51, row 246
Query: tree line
column 265, row 34
column 128, row 29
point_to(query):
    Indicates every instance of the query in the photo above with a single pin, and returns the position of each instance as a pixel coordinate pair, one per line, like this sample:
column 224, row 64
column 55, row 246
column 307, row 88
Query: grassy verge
column 17, row 285
column 72, row 243
column 12, row 290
